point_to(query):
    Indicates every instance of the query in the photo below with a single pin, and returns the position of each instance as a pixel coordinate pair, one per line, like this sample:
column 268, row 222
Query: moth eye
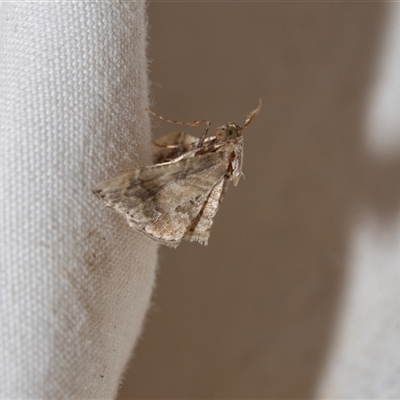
column 227, row 132
column 230, row 132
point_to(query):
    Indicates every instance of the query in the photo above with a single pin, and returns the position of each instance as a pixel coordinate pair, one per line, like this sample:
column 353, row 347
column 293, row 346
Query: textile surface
column 364, row 361
column 75, row 280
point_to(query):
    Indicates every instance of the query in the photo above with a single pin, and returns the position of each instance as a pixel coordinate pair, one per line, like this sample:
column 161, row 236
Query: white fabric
column 75, row 280
column 364, row 362
column 383, row 118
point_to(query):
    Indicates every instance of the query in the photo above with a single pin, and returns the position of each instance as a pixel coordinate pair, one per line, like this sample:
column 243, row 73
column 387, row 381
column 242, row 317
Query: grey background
column 252, row 314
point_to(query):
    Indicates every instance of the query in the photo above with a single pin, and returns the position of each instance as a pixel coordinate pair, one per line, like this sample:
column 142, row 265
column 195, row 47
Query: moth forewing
column 178, row 197
column 201, row 226
column 163, row 200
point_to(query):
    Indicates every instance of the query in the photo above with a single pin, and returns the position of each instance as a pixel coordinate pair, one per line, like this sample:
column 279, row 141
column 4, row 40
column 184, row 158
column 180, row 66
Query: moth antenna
column 251, row 115
column 172, row 121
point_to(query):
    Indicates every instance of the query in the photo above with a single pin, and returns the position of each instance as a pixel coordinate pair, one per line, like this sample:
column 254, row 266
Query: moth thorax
column 228, row 131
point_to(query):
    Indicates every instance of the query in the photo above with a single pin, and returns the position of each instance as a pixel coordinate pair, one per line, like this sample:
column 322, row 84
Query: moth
column 178, row 197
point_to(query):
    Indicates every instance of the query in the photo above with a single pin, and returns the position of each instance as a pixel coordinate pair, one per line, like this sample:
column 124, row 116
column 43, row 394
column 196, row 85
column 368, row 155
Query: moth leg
column 204, row 134
column 193, row 123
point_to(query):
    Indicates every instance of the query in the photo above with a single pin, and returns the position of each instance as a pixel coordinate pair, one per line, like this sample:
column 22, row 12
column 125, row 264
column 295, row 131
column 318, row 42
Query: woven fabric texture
column 75, row 280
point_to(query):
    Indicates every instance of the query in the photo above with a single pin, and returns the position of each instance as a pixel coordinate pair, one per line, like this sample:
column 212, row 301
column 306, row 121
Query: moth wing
column 163, row 200
column 172, row 145
column 201, row 228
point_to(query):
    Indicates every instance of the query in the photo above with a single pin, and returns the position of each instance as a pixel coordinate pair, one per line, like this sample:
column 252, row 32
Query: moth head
column 232, row 131
column 228, row 131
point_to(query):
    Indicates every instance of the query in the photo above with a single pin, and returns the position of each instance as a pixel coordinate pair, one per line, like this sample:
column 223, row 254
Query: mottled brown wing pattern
column 162, row 201
column 179, row 196
column 201, row 227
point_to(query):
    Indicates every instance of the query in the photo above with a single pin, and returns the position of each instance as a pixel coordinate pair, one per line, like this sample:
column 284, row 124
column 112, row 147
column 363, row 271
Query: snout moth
column 178, row 197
